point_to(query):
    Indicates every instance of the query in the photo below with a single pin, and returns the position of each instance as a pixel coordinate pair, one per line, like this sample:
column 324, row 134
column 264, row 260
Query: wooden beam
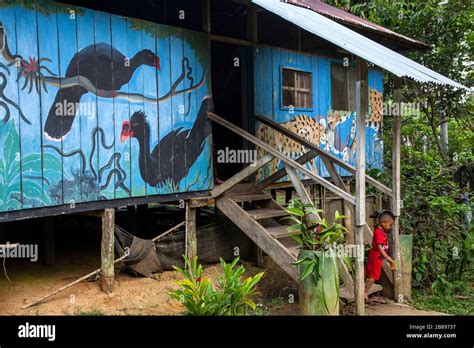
column 191, row 239
column 107, row 251
column 230, row 40
column 234, row 180
column 308, row 156
column 97, row 205
column 349, row 222
column 362, row 108
column 206, row 16
column 336, row 178
column 201, row 202
column 93, row 213
column 300, row 190
column 396, row 198
column 281, row 157
column 258, row 256
column 323, row 153
column 252, row 24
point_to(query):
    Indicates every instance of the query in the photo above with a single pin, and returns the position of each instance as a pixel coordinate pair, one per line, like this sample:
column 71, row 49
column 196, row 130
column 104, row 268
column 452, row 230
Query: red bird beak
column 126, row 131
column 157, row 63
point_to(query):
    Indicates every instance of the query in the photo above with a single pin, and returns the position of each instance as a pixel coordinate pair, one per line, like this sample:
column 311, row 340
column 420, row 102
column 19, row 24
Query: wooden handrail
column 308, row 156
column 325, row 183
column 323, row 153
column 244, row 173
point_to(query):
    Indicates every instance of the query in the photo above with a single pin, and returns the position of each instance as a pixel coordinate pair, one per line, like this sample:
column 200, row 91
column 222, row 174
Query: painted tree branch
column 132, row 97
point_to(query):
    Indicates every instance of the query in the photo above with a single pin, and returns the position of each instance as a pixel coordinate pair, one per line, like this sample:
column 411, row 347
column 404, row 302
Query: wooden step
column 259, row 214
column 244, row 187
column 249, row 197
column 279, row 231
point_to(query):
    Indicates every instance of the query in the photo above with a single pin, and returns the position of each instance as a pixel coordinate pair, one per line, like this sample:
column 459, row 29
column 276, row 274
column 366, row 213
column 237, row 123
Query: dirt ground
column 140, row 296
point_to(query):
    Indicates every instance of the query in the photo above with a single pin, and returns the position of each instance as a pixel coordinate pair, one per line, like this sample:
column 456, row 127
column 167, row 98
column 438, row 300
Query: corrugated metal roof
column 355, row 43
column 349, row 18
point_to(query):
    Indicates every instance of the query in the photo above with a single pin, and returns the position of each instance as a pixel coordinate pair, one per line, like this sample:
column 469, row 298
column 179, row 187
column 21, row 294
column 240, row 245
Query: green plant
column 232, row 296
column 313, row 234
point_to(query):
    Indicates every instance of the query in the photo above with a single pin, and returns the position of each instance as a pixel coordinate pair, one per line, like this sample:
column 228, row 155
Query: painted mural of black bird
column 175, row 154
column 107, row 68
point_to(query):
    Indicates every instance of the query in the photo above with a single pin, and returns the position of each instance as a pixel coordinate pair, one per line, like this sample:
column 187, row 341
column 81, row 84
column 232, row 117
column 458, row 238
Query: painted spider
column 5, row 101
column 32, row 72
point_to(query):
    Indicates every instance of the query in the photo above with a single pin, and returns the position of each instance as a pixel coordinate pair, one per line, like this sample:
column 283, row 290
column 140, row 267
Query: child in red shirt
column 378, row 252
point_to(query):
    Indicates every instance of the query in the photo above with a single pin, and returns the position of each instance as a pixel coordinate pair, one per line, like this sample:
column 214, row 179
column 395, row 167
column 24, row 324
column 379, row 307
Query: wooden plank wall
column 333, row 130
column 92, row 107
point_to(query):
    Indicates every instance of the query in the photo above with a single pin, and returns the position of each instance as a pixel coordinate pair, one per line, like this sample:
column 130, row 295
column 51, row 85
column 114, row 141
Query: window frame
column 311, row 90
column 339, row 63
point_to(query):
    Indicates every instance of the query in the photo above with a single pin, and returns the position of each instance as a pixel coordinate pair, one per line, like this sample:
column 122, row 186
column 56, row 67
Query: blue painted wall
column 333, row 130
column 116, row 77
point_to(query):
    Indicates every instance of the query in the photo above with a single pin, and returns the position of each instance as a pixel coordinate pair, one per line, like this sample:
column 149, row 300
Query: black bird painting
column 107, row 68
column 184, row 145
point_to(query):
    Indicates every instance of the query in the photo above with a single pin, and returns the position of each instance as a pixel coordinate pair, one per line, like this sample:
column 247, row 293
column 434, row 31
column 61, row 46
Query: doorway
column 230, row 87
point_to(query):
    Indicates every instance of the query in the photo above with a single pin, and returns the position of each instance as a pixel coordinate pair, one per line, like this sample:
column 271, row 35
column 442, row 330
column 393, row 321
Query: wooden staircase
column 258, row 216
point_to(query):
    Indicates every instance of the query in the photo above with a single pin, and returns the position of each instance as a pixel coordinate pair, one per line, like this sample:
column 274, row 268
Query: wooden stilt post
column 396, row 198
column 258, row 256
column 362, row 107
column 191, row 240
column 107, row 251
column 349, row 222
column 49, row 257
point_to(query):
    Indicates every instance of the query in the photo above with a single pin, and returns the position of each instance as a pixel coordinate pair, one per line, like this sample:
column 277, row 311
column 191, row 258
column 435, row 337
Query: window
column 296, row 89
column 343, row 84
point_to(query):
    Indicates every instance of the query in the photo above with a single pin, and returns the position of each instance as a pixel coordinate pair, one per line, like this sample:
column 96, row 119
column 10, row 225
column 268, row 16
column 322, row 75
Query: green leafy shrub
column 232, row 296
column 313, row 234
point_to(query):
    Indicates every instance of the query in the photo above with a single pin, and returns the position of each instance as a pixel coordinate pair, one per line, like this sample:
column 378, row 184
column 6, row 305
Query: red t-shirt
column 379, row 238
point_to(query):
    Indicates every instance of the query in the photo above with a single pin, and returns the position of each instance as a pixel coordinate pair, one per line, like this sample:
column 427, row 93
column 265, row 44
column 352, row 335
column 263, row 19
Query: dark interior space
column 158, row 11
column 78, row 236
column 229, row 18
column 276, row 31
column 227, row 91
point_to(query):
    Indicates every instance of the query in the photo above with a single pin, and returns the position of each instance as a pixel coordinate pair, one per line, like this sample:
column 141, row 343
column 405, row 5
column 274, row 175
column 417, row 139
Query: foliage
column 200, row 297
column 313, row 234
column 459, row 300
column 442, row 243
column 447, row 28
column 20, row 177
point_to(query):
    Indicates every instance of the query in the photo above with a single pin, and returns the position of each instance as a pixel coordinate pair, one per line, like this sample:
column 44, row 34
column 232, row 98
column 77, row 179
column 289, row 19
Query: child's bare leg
column 368, row 285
